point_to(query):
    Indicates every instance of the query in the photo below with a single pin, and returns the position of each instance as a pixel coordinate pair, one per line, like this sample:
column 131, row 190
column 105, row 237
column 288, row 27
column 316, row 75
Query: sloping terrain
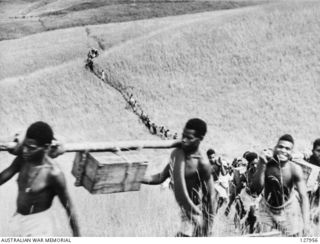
column 28, row 54
column 252, row 74
column 22, row 17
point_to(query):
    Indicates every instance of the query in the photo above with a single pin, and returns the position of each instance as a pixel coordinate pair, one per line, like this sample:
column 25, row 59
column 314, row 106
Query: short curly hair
column 41, row 132
column 198, row 125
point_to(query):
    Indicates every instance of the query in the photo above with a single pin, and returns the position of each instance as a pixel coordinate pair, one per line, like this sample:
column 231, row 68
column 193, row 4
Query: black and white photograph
column 159, row 118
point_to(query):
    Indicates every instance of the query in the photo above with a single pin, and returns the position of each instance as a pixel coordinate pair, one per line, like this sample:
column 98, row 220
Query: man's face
column 253, row 164
column 212, row 158
column 190, row 142
column 316, row 153
column 283, row 150
column 31, row 150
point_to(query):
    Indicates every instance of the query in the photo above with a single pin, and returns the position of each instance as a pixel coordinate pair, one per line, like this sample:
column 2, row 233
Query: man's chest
column 191, row 166
column 282, row 176
column 33, row 179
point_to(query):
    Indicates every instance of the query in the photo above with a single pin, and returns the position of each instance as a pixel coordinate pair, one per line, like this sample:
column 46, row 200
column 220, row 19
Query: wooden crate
column 311, row 172
column 103, row 173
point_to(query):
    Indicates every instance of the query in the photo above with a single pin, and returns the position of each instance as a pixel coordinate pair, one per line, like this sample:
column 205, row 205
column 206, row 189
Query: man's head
column 284, row 147
column 193, row 133
column 210, row 153
column 38, row 138
column 252, row 159
column 316, row 150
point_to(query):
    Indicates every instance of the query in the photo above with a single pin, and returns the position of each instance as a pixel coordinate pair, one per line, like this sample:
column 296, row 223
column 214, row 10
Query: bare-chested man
column 315, row 157
column 220, row 178
column 39, row 181
column 314, row 194
column 247, row 202
column 284, row 204
column 192, row 182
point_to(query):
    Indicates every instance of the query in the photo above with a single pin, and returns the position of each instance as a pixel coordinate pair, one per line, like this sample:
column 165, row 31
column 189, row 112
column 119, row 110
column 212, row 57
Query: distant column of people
column 153, row 128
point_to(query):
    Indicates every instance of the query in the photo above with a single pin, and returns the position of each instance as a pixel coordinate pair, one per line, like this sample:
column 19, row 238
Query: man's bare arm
column 157, row 178
column 59, row 184
column 257, row 183
column 208, row 201
column 9, row 172
column 302, row 190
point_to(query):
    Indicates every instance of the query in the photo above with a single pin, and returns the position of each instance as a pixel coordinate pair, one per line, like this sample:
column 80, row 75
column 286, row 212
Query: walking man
column 284, row 204
column 39, row 181
column 191, row 181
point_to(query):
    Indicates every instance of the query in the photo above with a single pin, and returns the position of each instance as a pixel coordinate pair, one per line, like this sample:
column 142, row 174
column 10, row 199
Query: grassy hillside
column 35, row 52
column 20, row 18
column 251, row 73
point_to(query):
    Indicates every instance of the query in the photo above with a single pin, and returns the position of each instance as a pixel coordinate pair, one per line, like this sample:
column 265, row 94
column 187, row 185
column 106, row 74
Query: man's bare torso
column 193, row 176
column 34, row 185
column 278, row 183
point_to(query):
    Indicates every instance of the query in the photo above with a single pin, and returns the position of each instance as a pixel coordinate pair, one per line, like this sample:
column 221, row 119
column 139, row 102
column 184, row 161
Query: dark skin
column 197, row 174
column 269, row 166
column 39, row 181
column 315, row 157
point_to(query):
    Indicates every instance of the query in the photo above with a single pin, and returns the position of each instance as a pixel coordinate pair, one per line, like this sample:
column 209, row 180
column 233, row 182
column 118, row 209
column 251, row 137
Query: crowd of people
column 267, row 189
column 153, row 128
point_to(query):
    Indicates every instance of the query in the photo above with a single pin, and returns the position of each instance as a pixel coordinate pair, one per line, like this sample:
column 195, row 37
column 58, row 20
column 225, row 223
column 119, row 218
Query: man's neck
column 283, row 163
column 37, row 162
column 191, row 152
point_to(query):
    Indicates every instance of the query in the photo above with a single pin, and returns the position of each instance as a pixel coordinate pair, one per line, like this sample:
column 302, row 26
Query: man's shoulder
column 204, row 165
column 54, row 168
column 296, row 169
column 177, row 152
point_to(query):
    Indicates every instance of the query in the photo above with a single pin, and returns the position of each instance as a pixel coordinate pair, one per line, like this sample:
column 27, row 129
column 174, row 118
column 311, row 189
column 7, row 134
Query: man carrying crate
column 191, row 181
column 39, row 181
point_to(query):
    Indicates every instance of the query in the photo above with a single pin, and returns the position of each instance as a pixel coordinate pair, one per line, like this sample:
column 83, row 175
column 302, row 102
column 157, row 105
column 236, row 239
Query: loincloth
column 38, row 224
column 249, row 200
column 286, row 218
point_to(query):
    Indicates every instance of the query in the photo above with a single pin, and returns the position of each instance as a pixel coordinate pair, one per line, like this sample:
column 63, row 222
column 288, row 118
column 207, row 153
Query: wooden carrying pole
column 105, row 146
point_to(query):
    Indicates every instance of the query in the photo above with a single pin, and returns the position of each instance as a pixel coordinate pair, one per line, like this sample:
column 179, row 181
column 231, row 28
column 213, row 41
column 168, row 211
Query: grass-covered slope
column 28, row 54
column 20, row 18
column 75, row 102
column 252, row 74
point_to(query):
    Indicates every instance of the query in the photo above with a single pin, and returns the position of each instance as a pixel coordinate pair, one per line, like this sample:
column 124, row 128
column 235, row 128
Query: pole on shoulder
column 106, row 146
